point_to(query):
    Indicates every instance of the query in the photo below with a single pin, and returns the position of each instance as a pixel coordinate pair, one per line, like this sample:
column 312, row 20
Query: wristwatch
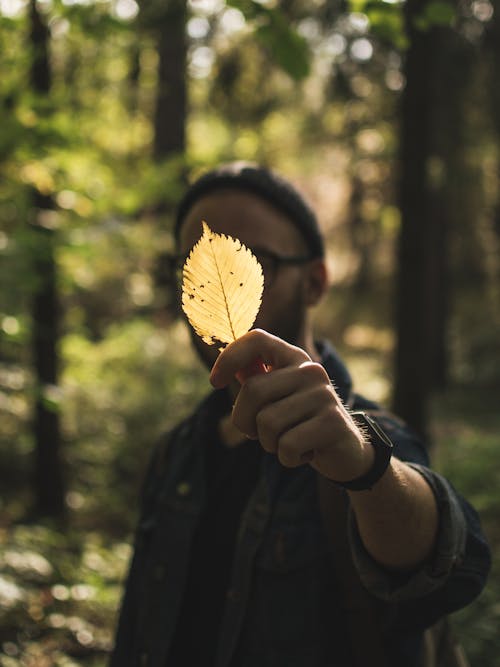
column 382, row 446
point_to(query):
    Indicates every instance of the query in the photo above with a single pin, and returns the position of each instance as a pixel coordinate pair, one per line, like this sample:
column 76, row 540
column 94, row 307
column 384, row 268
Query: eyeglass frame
column 176, row 262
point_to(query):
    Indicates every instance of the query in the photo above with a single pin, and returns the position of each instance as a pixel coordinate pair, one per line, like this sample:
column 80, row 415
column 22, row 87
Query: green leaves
column 289, row 50
column 387, row 20
column 436, row 14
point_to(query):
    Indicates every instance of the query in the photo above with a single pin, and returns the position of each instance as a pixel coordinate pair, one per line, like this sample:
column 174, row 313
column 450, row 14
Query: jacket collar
column 336, row 369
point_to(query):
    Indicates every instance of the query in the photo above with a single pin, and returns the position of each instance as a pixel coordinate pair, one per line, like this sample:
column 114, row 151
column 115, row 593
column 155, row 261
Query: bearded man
column 236, row 560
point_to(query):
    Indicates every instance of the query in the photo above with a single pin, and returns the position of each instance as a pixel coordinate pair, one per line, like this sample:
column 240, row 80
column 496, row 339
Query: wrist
column 377, row 447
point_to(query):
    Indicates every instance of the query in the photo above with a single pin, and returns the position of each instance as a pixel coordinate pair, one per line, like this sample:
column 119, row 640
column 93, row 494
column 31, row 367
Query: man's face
column 258, row 225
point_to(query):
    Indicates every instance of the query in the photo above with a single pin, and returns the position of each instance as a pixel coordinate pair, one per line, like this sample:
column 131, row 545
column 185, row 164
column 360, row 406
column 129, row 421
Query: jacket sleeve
column 458, row 568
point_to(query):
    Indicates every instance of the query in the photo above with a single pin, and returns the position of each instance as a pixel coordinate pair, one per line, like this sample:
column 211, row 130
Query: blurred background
column 386, row 114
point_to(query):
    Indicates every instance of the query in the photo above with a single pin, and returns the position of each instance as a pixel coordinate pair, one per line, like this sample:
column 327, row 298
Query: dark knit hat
column 263, row 183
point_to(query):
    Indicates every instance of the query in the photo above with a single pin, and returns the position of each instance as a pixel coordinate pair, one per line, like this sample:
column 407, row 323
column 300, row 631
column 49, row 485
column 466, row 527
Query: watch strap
column 382, row 447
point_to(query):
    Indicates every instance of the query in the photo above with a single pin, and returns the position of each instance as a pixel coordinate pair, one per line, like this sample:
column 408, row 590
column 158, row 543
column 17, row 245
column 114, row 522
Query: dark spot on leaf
column 191, row 296
column 241, row 284
column 202, row 286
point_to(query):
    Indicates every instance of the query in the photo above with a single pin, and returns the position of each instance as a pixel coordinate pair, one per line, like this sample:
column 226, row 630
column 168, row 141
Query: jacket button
column 143, row 660
column 183, row 489
column 233, row 595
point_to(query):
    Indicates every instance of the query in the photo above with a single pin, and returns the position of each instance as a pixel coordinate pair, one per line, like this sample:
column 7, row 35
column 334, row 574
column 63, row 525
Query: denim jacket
column 282, row 607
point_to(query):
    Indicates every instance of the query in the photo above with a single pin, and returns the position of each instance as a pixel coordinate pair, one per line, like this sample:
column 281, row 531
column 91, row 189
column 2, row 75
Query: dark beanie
column 263, row 183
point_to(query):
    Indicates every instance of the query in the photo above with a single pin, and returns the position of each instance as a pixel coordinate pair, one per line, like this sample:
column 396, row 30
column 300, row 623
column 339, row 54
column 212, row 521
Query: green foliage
column 240, row 71
column 436, row 14
column 387, row 20
column 287, row 48
column 119, row 395
column 387, row 23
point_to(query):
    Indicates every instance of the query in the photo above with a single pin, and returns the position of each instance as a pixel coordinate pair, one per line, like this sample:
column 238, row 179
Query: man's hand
column 293, row 410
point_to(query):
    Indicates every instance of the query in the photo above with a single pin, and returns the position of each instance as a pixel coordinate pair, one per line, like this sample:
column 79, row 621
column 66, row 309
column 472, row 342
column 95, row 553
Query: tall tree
column 451, row 189
column 434, row 194
column 170, row 112
column 493, row 50
column 48, row 475
column 416, row 263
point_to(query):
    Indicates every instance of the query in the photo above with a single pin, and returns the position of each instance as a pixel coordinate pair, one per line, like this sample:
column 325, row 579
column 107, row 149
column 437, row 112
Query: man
column 235, row 557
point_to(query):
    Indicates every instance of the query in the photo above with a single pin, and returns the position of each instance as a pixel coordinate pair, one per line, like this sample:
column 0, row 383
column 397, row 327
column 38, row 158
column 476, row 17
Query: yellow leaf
column 221, row 287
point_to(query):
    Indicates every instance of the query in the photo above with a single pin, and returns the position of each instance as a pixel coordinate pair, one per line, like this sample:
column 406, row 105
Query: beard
column 286, row 317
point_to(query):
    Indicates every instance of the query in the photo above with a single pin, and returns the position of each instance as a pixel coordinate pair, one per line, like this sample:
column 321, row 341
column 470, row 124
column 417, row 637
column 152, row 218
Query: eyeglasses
column 270, row 261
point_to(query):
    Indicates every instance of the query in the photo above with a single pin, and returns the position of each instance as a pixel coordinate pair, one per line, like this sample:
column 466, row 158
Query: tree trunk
column 439, row 295
column 493, row 50
column 455, row 192
column 132, row 96
column 361, row 242
column 48, row 475
column 170, row 112
column 416, row 272
column 438, row 69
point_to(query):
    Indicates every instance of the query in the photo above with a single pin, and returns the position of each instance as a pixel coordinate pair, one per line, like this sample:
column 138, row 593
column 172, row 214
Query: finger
column 306, row 441
column 263, row 390
column 339, row 451
column 238, row 355
column 277, row 418
column 256, row 367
